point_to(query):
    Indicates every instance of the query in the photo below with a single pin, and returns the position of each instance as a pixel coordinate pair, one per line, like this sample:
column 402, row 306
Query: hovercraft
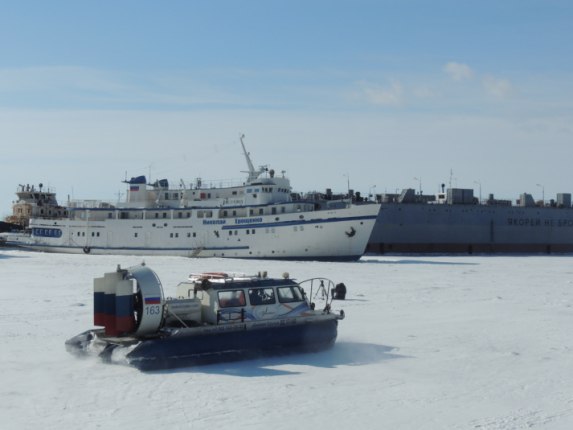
column 214, row 317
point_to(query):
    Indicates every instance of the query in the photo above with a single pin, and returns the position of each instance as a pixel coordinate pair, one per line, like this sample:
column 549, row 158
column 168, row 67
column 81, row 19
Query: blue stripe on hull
column 296, row 222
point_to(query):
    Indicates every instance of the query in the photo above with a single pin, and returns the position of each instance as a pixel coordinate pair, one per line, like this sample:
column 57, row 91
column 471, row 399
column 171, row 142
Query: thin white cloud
column 424, row 92
column 500, row 88
column 58, row 78
column 392, row 95
column 458, row 71
column 92, row 87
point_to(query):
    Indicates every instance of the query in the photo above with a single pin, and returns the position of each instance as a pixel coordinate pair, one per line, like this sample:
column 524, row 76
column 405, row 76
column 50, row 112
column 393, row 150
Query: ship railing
column 209, row 184
column 321, row 290
column 316, row 196
column 91, row 204
column 36, row 189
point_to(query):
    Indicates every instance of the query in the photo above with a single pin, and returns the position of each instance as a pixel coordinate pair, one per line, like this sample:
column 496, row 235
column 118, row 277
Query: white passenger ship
column 258, row 219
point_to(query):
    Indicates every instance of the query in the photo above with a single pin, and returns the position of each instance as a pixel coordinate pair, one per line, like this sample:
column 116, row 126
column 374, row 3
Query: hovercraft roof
column 219, row 280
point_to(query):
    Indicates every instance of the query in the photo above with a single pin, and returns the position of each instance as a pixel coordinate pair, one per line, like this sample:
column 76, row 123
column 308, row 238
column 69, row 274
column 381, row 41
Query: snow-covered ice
column 446, row 342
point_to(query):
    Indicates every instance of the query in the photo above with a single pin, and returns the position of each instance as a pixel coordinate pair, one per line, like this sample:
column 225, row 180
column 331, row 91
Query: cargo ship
column 456, row 221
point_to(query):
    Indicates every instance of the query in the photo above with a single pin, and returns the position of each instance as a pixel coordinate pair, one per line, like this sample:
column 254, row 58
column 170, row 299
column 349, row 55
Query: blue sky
column 380, row 92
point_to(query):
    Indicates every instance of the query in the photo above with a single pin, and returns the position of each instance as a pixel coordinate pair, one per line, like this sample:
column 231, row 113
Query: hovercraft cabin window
column 262, row 296
column 289, row 294
column 232, row 298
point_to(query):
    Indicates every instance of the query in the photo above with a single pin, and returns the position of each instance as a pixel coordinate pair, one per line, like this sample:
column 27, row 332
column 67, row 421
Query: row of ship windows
column 231, row 232
column 83, row 234
column 28, row 211
column 175, row 196
column 43, row 232
column 202, row 213
column 199, row 213
column 56, row 232
column 225, row 213
column 171, row 235
column 266, row 190
column 271, row 189
column 176, row 235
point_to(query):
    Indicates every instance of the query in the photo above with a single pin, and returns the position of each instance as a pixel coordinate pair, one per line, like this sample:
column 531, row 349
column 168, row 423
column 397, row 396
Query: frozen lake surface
column 427, row 343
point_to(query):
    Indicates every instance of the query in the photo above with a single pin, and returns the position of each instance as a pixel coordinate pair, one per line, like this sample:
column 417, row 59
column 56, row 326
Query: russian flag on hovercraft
column 114, row 304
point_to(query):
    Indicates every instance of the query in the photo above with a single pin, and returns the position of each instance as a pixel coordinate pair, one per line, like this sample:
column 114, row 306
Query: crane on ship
column 253, row 174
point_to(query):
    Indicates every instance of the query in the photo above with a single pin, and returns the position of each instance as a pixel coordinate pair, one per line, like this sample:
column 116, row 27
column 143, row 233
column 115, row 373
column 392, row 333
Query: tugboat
column 214, row 317
column 33, row 202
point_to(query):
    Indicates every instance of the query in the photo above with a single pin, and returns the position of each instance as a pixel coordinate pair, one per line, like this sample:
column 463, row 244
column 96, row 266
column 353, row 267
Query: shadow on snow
column 341, row 354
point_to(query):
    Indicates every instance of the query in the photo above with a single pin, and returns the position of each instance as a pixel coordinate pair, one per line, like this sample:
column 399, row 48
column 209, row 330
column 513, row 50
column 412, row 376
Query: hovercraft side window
column 234, row 298
column 262, row 296
column 290, row 294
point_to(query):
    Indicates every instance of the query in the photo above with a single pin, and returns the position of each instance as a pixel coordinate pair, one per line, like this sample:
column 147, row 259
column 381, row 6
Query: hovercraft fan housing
column 128, row 302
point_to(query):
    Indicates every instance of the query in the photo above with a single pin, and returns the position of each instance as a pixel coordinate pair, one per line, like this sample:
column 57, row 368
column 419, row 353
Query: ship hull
column 469, row 229
column 337, row 234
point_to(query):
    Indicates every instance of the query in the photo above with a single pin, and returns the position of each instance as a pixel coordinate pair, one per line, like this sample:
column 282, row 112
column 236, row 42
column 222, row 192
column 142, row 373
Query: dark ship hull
column 471, row 228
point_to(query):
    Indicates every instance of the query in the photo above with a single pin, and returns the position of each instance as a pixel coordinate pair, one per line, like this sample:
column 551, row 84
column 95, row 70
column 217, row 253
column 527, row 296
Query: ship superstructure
column 33, row 202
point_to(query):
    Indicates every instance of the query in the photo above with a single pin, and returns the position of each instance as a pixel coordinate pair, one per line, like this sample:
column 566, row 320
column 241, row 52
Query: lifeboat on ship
column 213, row 317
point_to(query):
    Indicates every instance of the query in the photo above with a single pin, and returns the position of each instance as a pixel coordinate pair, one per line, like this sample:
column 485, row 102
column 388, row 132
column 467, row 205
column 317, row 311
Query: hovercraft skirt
column 188, row 350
